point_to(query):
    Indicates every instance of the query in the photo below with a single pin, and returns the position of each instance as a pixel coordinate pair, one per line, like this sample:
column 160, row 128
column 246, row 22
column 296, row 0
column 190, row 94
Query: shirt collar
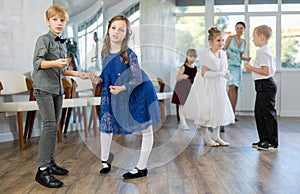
column 52, row 35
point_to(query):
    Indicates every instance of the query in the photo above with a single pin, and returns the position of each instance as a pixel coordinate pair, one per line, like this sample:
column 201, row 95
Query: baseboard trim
column 10, row 136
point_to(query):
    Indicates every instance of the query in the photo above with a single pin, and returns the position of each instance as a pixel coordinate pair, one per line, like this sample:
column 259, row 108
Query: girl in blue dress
column 235, row 47
column 128, row 101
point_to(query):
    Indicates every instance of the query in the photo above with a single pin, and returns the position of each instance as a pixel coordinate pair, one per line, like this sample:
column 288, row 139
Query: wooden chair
column 1, row 87
column 161, row 101
column 68, row 89
column 69, row 103
column 16, row 83
column 30, row 116
column 161, row 94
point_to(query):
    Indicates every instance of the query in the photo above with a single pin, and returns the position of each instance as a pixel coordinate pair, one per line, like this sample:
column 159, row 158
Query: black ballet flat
column 105, row 170
column 140, row 173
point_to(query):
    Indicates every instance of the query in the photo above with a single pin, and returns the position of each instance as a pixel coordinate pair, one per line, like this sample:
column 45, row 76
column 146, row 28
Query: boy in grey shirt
column 49, row 63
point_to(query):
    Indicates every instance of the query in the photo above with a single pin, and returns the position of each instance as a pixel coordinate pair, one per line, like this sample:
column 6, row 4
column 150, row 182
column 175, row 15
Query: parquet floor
column 179, row 163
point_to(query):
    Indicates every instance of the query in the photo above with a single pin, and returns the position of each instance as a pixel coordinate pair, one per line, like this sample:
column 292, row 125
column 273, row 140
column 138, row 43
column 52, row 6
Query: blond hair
column 57, row 10
column 213, row 32
column 124, row 47
column 264, row 30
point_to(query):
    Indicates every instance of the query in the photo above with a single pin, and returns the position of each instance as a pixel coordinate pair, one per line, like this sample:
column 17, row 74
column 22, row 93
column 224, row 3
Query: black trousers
column 265, row 112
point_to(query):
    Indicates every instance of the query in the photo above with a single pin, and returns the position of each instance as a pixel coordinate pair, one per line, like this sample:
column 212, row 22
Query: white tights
column 146, row 147
column 181, row 115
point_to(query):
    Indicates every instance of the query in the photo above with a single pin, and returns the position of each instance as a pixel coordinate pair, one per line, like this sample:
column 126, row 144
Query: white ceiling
column 75, row 7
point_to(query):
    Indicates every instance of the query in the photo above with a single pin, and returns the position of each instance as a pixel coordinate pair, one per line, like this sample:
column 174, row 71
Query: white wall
column 290, row 93
column 21, row 22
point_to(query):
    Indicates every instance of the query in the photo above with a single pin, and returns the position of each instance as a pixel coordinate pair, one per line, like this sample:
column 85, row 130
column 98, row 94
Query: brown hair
column 264, row 30
column 124, row 47
column 213, row 32
column 240, row 23
column 190, row 52
column 57, row 10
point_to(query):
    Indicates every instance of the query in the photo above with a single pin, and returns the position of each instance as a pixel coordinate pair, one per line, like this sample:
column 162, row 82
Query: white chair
column 16, row 83
column 85, row 90
column 68, row 103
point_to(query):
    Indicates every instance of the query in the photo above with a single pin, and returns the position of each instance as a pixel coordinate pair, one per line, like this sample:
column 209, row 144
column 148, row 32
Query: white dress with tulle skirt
column 208, row 104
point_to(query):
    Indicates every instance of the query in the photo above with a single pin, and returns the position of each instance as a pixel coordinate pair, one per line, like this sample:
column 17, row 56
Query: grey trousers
column 50, row 106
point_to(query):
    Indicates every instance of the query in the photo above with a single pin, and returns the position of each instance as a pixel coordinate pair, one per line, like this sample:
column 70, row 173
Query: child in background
column 263, row 70
column 72, row 62
column 185, row 79
column 208, row 103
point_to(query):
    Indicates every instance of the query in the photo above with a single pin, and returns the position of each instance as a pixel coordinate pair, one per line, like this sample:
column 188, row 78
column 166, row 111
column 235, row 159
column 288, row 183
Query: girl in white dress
column 208, row 103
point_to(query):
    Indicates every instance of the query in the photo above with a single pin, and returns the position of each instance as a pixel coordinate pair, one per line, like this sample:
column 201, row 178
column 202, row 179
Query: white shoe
column 183, row 126
column 211, row 142
column 221, row 142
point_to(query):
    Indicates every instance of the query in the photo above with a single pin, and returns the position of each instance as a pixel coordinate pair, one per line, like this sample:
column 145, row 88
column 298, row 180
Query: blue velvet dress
column 132, row 110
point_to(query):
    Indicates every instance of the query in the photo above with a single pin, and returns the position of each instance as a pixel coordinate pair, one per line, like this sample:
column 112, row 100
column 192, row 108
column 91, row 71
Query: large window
column 261, row 20
column 134, row 41
column 290, row 41
column 229, row 8
column 190, row 33
column 227, row 23
column 190, row 9
column 87, row 43
column 282, row 16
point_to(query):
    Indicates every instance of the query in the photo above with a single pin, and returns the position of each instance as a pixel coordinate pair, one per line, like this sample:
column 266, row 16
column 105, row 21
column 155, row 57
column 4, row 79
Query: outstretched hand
column 94, row 78
column 83, row 75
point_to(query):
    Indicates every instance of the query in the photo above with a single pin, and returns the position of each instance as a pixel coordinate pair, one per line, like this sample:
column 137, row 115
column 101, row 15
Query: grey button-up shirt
column 47, row 49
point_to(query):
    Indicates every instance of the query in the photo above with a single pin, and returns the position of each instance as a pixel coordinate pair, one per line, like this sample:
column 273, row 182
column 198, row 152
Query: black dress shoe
column 107, row 169
column 222, row 129
column 45, row 178
column 138, row 174
column 57, row 170
column 266, row 146
column 255, row 145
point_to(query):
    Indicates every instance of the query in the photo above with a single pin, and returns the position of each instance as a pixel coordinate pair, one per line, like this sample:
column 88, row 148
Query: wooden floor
column 179, row 163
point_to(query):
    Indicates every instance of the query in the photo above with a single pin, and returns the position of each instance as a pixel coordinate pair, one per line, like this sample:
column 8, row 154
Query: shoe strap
column 140, row 169
column 134, row 171
column 105, row 164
